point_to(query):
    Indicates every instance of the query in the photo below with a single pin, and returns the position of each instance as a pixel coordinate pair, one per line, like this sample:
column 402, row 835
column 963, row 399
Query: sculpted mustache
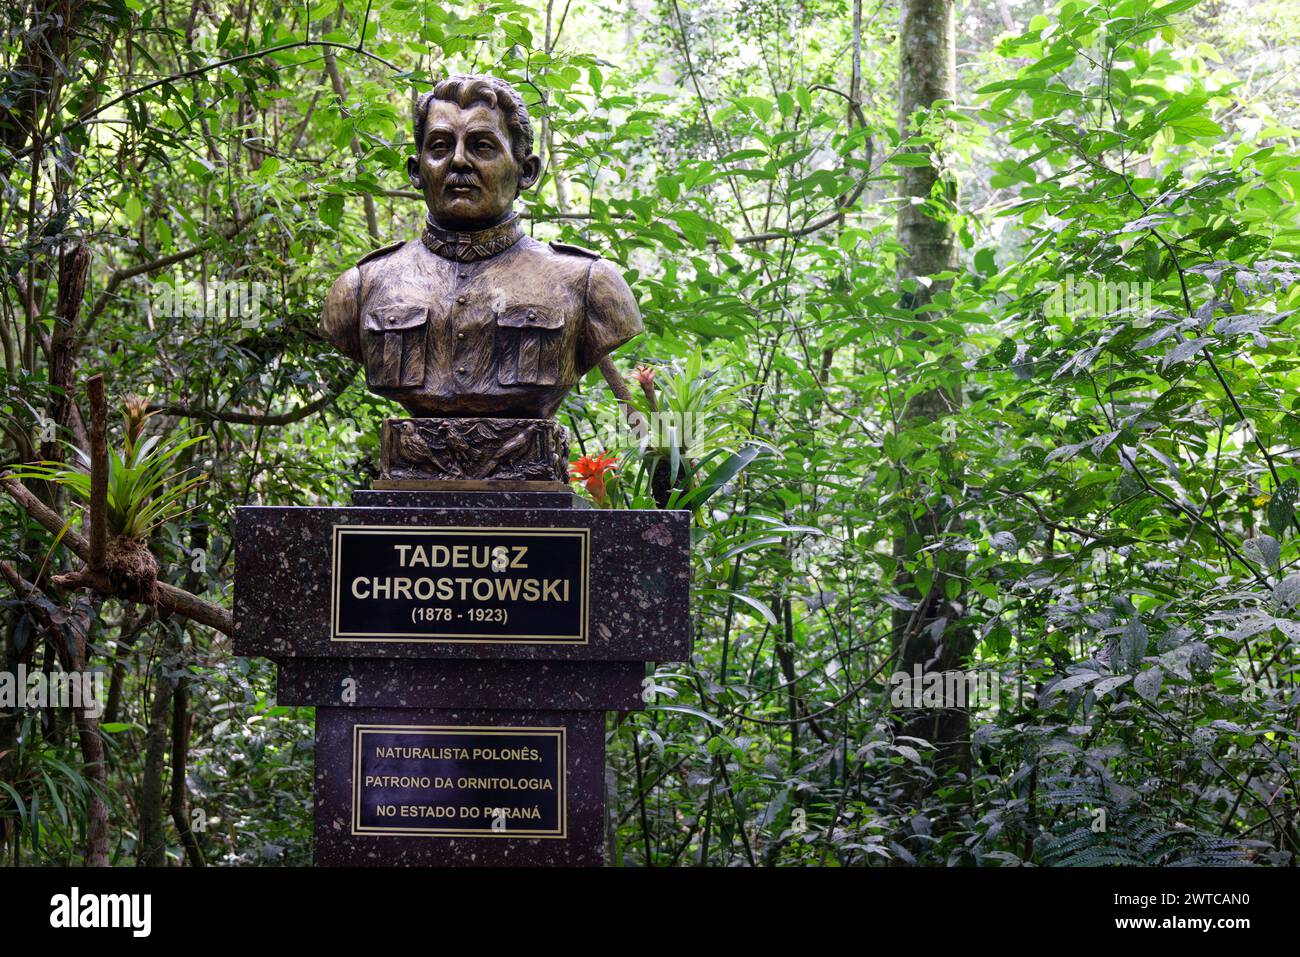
column 453, row 181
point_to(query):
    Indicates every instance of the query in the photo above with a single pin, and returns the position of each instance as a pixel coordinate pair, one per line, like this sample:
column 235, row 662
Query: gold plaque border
column 583, row 534
column 561, row 735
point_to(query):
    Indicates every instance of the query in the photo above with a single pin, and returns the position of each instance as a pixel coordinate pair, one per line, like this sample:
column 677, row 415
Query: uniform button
column 461, row 370
column 532, row 315
column 462, row 275
column 461, row 300
column 460, row 335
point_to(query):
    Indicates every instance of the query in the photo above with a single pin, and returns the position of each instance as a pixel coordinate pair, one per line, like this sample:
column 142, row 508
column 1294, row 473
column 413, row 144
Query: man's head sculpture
column 476, row 318
column 474, row 151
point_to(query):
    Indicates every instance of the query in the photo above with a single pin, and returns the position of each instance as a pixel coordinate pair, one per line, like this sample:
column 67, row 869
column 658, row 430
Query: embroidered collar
column 474, row 245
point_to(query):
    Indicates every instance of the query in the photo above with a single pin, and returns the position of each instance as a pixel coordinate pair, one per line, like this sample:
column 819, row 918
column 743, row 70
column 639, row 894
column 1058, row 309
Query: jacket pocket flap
column 394, row 318
column 530, row 317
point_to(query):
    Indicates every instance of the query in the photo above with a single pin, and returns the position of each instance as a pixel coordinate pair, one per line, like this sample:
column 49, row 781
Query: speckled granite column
column 526, row 787
column 445, row 736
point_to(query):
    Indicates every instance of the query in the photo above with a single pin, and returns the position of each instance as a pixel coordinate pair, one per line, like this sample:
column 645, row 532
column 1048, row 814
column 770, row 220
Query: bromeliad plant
column 145, row 490
column 694, row 419
column 687, row 437
column 596, row 473
column 698, row 440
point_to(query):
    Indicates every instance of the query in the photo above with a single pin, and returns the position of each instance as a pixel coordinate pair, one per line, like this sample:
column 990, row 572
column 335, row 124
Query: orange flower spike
column 645, row 377
column 591, row 471
column 135, row 410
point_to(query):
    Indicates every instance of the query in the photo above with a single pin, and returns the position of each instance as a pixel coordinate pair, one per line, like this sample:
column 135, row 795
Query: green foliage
column 46, row 794
column 143, row 489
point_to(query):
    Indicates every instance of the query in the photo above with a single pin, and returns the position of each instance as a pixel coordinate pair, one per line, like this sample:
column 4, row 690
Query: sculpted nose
column 459, row 159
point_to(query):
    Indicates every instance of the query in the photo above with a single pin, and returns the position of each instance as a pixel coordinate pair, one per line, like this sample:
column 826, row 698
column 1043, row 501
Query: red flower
column 645, row 376
column 592, row 472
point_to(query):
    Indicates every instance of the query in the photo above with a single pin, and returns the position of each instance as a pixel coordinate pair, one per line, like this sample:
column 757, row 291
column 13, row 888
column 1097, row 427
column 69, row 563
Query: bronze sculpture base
column 529, row 454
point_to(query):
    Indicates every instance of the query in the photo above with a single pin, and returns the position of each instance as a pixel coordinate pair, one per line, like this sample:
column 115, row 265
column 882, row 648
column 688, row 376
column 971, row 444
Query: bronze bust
column 475, row 318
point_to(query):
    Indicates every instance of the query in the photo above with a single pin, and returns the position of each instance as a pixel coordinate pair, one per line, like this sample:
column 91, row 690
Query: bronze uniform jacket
column 505, row 335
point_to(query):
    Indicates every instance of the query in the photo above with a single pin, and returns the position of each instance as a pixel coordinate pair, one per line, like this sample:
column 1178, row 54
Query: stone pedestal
column 378, row 799
column 461, row 648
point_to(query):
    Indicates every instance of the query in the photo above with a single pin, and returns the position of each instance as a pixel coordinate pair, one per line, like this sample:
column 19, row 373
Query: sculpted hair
column 488, row 90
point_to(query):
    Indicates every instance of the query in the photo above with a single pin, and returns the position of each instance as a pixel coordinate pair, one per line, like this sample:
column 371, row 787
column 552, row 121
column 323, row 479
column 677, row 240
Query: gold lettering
column 485, row 589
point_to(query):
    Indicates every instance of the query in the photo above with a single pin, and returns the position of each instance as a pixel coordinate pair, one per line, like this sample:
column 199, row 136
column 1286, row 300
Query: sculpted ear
column 529, row 171
column 413, row 171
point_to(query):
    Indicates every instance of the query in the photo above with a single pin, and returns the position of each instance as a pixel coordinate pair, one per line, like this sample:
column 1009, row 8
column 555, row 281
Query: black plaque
column 455, row 584
column 451, row 781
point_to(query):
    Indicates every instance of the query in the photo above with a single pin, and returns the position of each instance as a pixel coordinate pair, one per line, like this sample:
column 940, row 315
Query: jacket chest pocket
column 393, row 337
column 529, row 345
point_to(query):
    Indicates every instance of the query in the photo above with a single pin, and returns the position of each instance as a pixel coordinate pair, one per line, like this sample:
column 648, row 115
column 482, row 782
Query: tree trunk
column 49, row 30
column 181, row 715
column 153, row 832
column 180, row 761
column 548, row 128
column 932, row 635
column 82, row 615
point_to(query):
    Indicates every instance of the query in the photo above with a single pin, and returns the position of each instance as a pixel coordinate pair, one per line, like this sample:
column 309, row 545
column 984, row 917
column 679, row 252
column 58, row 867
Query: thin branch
column 255, row 418
column 199, row 71
column 122, row 275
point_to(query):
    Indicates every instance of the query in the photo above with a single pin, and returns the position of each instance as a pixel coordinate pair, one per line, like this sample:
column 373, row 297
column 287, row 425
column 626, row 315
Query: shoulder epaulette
column 382, row 251
column 573, row 250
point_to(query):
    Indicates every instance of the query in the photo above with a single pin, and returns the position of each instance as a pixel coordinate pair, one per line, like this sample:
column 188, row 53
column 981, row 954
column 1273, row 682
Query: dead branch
column 74, row 264
column 98, row 472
